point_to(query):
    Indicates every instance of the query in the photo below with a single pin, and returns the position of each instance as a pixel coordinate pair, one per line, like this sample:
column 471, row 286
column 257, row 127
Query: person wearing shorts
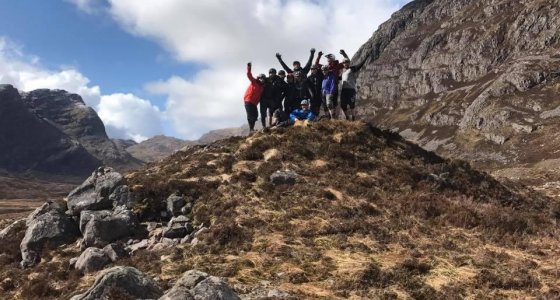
column 348, row 86
column 329, row 92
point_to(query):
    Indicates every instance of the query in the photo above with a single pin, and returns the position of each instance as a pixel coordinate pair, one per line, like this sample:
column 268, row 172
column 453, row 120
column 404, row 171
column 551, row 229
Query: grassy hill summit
column 369, row 215
column 338, row 210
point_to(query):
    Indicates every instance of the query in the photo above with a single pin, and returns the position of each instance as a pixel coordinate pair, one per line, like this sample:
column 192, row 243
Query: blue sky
column 61, row 35
column 176, row 66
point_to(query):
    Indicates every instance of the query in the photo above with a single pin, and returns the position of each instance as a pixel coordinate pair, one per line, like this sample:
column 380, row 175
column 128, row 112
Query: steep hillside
column 29, row 142
column 368, row 216
column 476, row 80
column 336, row 211
column 157, row 147
column 71, row 115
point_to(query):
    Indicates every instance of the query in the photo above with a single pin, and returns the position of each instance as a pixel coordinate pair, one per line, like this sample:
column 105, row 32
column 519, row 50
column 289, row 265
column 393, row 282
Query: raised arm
column 286, row 68
column 356, row 67
column 360, row 65
column 250, row 75
column 318, row 57
column 309, row 61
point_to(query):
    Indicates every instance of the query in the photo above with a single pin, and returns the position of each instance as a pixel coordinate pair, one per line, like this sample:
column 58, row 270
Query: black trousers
column 252, row 114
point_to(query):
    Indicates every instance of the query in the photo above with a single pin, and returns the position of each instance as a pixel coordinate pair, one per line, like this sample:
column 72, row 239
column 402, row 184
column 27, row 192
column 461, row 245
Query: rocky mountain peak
column 471, row 79
column 53, row 127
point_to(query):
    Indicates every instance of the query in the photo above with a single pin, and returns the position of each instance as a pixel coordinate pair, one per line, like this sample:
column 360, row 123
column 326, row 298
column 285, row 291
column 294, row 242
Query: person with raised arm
column 296, row 64
column 348, row 86
column 253, row 97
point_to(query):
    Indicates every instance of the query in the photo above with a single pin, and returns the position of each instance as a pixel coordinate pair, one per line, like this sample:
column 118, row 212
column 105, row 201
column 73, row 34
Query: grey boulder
column 174, row 204
column 178, row 227
column 94, row 193
column 283, row 177
column 51, row 227
column 14, row 229
column 121, row 197
column 115, row 251
column 91, row 260
column 103, row 229
column 127, row 279
column 200, row 286
column 87, row 215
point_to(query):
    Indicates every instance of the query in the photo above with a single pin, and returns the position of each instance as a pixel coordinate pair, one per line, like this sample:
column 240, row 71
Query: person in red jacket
column 253, row 97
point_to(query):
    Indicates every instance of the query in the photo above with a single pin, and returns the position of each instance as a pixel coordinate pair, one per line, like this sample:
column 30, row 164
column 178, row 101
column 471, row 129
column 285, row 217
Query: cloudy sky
column 174, row 67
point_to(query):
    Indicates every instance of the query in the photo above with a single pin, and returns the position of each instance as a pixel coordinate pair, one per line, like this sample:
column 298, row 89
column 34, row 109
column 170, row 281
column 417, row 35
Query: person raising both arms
column 296, row 64
column 253, row 97
column 348, row 86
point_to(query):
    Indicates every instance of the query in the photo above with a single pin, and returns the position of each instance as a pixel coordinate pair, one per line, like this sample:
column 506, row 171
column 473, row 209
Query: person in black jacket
column 290, row 102
column 315, row 80
column 274, row 89
column 297, row 64
column 302, row 89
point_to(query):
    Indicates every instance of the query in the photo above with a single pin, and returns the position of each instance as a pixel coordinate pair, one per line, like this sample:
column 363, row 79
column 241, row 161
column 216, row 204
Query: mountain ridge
column 474, row 80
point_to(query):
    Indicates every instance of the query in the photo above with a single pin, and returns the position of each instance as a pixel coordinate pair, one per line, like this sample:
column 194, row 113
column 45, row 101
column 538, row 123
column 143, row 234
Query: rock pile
column 99, row 210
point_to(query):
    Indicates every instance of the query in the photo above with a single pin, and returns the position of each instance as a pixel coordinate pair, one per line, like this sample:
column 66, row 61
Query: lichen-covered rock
column 174, row 204
column 121, row 197
column 13, row 229
column 91, row 260
column 50, row 227
column 94, row 193
column 127, row 279
column 87, row 215
column 103, row 229
column 283, row 177
column 200, row 286
column 115, row 251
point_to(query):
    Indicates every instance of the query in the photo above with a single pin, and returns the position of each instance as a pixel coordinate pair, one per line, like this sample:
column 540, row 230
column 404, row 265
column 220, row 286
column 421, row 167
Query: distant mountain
column 69, row 114
column 31, row 142
column 54, row 132
column 123, row 144
column 220, row 134
column 157, row 147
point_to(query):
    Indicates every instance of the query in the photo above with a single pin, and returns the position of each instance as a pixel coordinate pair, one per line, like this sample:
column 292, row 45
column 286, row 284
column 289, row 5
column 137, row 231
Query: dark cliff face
column 69, row 113
column 471, row 79
column 29, row 142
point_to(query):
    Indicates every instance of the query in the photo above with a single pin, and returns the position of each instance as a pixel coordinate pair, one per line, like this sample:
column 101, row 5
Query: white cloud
column 118, row 111
column 137, row 118
column 88, row 6
column 223, row 35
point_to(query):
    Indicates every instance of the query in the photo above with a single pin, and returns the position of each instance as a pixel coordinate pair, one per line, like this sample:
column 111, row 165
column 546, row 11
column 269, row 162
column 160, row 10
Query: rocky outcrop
column 126, row 279
column 95, row 193
column 475, row 79
column 199, row 285
column 47, row 226
column 104, row 228
column 69, row 113
column 30, row 142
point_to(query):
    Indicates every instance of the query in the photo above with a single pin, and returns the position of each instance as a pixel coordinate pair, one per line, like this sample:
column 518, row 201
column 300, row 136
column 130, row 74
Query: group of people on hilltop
column 296, row 94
